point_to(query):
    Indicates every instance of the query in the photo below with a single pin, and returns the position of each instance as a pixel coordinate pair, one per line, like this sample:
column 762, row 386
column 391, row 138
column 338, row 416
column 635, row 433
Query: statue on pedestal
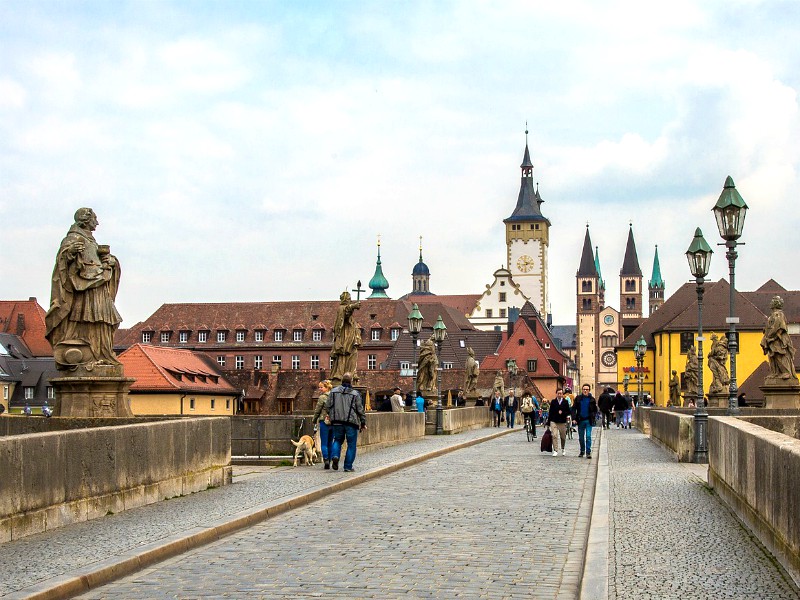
column 692, row 372
column 428, row 362
column 717, row 357
column 346, row 339
column 82, row 317
column 499, row 384
column 674, row 389
column 778, row 347
column 471, row 376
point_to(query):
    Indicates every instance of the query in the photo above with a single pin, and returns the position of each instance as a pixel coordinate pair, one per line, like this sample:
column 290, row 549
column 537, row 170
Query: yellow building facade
column 182, row 404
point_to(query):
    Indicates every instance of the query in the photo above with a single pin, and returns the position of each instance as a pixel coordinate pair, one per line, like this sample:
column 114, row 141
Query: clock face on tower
column 525, row 263
column 608, row 320
column 609, row 359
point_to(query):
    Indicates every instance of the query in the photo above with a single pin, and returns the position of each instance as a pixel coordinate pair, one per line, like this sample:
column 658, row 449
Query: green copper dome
column 656, row 281
column 378, row 283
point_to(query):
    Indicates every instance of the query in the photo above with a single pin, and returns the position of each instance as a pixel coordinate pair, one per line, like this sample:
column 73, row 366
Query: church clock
column 525, row 263
column 609, row 359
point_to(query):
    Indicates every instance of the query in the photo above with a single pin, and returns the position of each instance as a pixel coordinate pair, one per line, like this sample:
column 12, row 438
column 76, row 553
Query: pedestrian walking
column 626, row 416
column 557, row 422
column 584, row 409
column 511, row 405
column 346, row 413
column 606, row 403
column 620, row 406
column 398, row 404
column 322, row 422
column 496, row 405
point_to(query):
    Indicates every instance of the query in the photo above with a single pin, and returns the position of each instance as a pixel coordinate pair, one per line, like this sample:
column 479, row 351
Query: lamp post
column 730, row 211
column 439, row 333
column 699, row 257
column 414, row 327
column 625, row 380
column 513, row 370
column 639, row 350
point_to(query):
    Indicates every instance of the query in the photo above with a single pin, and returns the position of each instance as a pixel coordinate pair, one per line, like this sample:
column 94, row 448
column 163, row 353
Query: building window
column 221, row 337
column 213, row 402
column 489, row 313
column 502, row 296
column 259, row 336
column 258, row 361
column 51, row 393
column 221, row 361
column 532, row 365
column 191, row 403
column 630, row 285
column 202, row 337
column 298, row 336
column 284, row 407
column 316, row 335
column 183, row 337
column 330, row 366
column 147, row 336
column 608, row 341
column 395, row 333
column 630, row 303
column 447, row 365
column 587, row 304
column 5, row 392
column 239, row 361
column 276, row 359
column 227, row 403
column 278, row 337
column 502, row 313
column 687, row 341
column 376, row 335
column 586, row 286
column 295, row 361
column 240, row 336
column 405, row 365
column 164, row 337
column 315, row 361
column 28, row 393
column 372, row 362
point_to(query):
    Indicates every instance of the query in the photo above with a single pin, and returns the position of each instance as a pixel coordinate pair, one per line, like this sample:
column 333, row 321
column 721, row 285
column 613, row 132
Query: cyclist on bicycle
column 528, row 409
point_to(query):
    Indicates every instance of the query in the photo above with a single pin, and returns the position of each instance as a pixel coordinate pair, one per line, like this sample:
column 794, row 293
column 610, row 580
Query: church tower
column 588, row 294
column 655, row 286
column 630, row 282
column 528, row 238
column 601, row 284
column 420, row 276
column 378, row 283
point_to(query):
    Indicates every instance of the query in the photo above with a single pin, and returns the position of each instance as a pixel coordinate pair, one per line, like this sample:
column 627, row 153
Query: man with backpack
column 347, row 417
column 584, row 412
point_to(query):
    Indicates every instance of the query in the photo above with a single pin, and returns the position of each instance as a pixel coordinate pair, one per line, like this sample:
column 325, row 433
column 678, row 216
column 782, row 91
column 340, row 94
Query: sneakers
column 555, row 453
column 589, row 456
column 327, row 465
column 349, row 470
column 563, row 452
column 335, row 463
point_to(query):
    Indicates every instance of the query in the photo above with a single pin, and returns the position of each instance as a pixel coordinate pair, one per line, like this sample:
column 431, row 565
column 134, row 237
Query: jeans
column 585, row 436
column 626, row 421
column 340, row 433
column 510, row 418
column 325, row 440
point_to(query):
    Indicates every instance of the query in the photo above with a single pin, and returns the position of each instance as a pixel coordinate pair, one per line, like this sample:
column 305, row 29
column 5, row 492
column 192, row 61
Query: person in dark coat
column 620, row 406
column 606, row 404
column 511, row 405
column 584, row 411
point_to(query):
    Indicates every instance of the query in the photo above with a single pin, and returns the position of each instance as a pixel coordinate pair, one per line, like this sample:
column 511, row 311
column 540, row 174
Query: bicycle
column 530, row 427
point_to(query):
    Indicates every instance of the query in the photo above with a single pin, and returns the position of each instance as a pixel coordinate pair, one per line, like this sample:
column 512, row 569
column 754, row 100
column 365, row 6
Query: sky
column 254, row 151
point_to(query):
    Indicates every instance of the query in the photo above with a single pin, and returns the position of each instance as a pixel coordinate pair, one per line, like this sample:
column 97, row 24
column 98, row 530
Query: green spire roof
column 600, row 283
column 655, row 280
column 378, row 283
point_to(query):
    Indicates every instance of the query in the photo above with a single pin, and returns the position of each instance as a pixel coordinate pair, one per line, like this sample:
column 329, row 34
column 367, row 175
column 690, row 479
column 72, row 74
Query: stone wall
column 641, row 419
column 61, row 477
column 787, row 425
column 456, row 420
column 757, row 473
column 20, row 424
column 388, row 429
column 673, row 430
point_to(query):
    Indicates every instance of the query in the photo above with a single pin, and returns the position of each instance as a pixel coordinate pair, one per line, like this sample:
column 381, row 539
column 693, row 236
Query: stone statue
column 499, row 384
column 777, row 345
column 428, row 361
column 674, row 389
column 717, row 357
column 82, row 317
column 472, row 370
column 692, row 372
column 346, row 338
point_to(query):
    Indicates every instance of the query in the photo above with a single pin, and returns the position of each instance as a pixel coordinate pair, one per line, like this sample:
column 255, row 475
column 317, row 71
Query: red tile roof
column 25, row 318
column 463, row 303
column 529, row 349
column 158, row 368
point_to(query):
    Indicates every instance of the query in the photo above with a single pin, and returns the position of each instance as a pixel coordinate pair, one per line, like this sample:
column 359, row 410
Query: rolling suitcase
column 547, row 441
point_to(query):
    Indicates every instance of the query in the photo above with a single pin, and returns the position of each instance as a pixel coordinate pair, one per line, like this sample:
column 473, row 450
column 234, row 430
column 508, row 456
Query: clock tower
column 528, row 238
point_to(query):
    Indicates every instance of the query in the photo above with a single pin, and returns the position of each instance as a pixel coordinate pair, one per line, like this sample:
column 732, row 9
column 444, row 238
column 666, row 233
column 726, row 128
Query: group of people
column 339, row 417
column 582, row 411
column 615, row 408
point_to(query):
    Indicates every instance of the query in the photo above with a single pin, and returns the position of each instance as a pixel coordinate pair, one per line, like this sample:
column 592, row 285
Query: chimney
column 20, row 324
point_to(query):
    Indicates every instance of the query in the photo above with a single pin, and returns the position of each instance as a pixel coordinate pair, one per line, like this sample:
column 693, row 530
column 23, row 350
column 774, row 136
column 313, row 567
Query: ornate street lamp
column 730, row 211
column 639, row 350
column 699, row 257
column 414, row 327
column 625, row 380
column 439, row 333
column 513, row 370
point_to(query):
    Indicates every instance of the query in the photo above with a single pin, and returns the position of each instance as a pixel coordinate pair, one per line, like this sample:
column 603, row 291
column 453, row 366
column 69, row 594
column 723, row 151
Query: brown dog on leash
column 306, row 448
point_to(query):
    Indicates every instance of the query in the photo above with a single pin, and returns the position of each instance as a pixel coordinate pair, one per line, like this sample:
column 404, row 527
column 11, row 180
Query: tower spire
column 378, row 283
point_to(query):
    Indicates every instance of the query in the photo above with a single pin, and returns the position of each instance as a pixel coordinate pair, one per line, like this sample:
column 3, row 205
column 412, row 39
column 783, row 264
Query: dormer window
column 147, row 337
column 222, row 336
column 376, row 335
column 240, row 335
column 165, row 337
column 297, row 335
column 395, row 333
column 278, row 335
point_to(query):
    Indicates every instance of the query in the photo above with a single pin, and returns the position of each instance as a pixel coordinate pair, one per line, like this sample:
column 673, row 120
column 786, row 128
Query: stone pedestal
column 718, row 400
column 781, row 393
column 102, row 392
column 688, row 398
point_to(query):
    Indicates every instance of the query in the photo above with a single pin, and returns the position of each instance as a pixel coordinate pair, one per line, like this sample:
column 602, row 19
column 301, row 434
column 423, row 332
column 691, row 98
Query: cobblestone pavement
column 496, row 520
column 671, row 537
column 34, row 559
